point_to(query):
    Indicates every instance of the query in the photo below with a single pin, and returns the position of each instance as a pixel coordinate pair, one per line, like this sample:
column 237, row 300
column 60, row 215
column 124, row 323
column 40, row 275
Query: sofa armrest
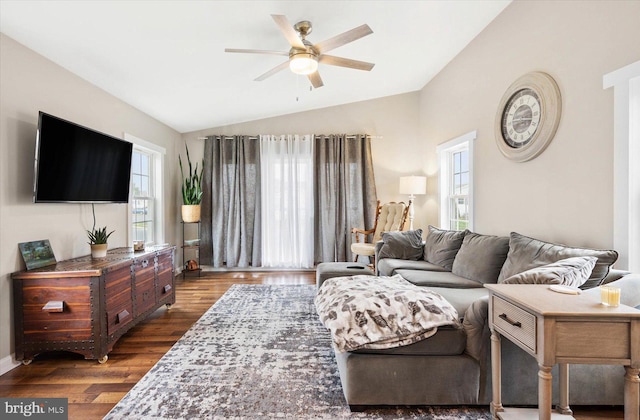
column 629, row 290
column 476, row 325
column 377, row 248
column 614, row 275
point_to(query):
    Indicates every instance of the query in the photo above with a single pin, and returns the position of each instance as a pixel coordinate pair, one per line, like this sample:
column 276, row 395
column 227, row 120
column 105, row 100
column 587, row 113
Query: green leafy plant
column 98, row 236
column 192, row 185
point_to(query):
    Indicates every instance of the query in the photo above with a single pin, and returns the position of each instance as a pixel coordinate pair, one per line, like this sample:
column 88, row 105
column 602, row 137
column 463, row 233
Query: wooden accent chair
column 390, row 217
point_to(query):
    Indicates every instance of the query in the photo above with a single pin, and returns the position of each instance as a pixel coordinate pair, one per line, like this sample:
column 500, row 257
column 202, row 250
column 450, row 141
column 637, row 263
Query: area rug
column 259, row 352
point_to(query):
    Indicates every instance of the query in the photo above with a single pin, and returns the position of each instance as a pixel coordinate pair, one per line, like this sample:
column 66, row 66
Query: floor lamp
column 413, row 185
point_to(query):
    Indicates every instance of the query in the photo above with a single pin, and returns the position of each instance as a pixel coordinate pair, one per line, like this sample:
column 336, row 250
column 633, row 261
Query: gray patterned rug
column 259, row 352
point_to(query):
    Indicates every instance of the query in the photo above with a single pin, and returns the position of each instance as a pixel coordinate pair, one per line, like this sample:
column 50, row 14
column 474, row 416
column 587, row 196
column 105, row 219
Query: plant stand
column 190, row 248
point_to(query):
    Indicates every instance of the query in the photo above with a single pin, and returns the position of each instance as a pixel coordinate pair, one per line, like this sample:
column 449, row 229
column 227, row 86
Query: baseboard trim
column 8, row 363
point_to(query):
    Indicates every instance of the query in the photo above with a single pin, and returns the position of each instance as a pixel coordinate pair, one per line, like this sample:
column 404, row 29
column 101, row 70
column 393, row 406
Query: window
column 626, row 153
column 456, row 182
column 142, row 197
column 145, row 204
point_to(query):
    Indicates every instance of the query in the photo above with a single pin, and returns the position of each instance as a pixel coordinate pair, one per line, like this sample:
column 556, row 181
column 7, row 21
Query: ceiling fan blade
column 343, row 38
column 345, row 62
column 239, row 50
column 288, row 31
column 273, row 71
column 315, row 79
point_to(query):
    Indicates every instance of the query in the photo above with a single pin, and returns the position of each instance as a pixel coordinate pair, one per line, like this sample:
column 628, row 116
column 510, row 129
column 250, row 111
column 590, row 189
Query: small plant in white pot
column 191, row 191
column 98, row 241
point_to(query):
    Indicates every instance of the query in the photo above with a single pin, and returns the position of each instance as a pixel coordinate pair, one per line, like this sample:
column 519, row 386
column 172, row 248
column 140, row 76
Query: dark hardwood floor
column 93, row 389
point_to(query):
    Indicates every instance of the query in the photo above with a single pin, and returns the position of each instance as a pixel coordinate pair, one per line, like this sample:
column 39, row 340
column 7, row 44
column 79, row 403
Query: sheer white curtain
column 287, row 201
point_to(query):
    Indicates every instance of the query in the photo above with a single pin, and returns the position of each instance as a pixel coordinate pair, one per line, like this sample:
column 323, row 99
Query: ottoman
column 328, row 270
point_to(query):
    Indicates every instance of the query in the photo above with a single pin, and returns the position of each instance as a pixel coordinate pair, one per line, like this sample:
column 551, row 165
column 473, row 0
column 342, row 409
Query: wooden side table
column 557, row 328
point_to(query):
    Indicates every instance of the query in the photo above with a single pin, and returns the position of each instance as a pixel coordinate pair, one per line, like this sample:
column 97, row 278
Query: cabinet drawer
column 119, row 317
column 145, row 295
column 165, row 262
column 515, row 322
column 118, row 288
column 165, row 283
column 72, row 324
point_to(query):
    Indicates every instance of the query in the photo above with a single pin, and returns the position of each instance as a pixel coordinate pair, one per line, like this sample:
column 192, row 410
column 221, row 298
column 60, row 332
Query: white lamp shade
column 413, row 185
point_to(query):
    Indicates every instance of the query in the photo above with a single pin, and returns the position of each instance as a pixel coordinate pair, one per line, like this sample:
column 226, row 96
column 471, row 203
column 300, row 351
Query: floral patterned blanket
column 369, row 312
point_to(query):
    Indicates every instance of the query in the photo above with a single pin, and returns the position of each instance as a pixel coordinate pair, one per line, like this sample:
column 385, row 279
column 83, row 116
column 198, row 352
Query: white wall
column 30, row 83
column 565, row 194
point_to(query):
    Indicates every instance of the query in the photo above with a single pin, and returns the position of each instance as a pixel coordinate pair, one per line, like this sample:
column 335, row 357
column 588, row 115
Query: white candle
column 610, row 296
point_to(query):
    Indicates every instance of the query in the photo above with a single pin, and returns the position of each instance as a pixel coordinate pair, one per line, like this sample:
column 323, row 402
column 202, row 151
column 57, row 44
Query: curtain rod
column 349, row 136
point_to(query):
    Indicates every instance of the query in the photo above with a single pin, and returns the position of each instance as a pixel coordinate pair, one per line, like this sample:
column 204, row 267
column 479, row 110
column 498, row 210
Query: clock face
column 520, row 118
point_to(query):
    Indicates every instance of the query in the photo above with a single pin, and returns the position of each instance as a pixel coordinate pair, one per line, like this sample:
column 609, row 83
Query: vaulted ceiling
column 167, row 58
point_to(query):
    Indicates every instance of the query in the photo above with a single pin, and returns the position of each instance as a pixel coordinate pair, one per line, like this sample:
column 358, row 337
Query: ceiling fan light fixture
column 303, row 63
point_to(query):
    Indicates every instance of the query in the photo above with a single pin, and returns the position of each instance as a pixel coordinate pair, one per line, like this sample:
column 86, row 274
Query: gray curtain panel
column 345, row 193
column 231, row 202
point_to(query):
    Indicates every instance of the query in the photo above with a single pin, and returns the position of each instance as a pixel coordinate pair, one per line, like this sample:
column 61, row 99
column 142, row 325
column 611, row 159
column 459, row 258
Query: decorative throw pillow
column 572, row 271
column 406, row 245
column 441, row 246
column 526, row 253
column 481, row 257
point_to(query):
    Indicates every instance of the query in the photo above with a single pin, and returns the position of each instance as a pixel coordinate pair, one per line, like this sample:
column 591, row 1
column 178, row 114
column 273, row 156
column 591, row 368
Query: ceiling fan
column 305, row 56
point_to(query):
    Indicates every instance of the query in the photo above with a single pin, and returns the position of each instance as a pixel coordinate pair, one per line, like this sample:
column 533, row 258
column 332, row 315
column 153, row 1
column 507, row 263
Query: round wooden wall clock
column 528, row 116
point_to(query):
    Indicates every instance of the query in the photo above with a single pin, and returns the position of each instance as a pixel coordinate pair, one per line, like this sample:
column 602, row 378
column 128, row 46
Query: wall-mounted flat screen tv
column 75, row 164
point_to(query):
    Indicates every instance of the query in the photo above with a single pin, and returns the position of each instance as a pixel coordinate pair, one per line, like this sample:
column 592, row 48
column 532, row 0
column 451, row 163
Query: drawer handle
column 506, row 318
column 54, row 306
column 122, row 316
column 166, row 288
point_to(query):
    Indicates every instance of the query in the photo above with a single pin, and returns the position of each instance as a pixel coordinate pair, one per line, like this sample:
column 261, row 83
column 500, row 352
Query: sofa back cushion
column 526, row 253
column 481, row 257
column 572, row 271
column 405, row 245
column 441, row 246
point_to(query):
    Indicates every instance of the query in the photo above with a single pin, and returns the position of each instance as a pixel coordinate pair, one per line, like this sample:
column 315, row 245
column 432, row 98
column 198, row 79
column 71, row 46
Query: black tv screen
column 75, row 164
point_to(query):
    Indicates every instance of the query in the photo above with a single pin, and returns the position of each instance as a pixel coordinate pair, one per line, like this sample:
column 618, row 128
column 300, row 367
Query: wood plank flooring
column 93, row 389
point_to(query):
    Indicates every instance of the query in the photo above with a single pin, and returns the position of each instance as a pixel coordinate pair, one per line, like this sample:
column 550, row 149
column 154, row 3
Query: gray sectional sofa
column 453, row 367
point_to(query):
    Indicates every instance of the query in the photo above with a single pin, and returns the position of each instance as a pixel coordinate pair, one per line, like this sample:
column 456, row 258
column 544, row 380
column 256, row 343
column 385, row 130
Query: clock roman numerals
column 521, row 118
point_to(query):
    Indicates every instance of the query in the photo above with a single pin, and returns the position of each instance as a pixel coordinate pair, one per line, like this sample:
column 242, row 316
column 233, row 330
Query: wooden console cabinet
column 85, row 305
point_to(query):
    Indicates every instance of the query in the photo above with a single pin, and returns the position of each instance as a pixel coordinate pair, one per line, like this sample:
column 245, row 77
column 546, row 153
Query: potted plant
column 191, row 191
column 98, row 241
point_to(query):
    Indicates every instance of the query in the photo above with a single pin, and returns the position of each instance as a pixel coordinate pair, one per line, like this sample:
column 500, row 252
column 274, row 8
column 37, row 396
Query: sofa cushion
column 448, row 341
column 388, row 266
column 572, row 271
column 462, row 299
column 526, row 253
column 436, row 279
column 406, row 245
column 441, row 246
column 481, row 257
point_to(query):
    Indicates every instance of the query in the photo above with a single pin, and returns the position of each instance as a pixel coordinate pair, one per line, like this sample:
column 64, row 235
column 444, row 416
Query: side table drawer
column 515, row 322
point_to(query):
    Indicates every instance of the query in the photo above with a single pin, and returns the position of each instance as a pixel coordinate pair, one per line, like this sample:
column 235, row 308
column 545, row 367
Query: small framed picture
column 37, row 254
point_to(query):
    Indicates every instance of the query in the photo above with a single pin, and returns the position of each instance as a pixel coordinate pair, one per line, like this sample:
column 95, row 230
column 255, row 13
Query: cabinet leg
column 496, row 375
column 631, row 393
column 103, row 359
column 544, row 392
column 564, row 408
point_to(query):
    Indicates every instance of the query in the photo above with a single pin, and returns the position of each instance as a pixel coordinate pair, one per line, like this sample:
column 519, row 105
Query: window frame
column 156, row 171
column 626, row 187
column 446, row 166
